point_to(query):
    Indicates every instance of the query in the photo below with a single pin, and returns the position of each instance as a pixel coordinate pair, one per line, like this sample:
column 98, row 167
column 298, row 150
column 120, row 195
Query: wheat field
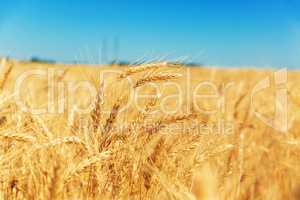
column 145, row 132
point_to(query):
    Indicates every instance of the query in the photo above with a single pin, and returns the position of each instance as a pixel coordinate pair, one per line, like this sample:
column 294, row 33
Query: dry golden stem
column 5, row 75
column 17, row 136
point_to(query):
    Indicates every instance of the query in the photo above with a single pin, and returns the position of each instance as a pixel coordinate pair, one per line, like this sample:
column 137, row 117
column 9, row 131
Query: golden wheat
column 73, row 156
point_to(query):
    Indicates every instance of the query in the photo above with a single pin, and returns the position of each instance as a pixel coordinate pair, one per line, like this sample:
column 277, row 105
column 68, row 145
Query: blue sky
column 227, row 33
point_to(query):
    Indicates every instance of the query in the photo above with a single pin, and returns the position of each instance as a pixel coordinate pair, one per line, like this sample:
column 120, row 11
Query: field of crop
column 153, row 131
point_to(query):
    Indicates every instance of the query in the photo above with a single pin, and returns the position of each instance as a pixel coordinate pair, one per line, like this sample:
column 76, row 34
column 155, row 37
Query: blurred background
column 261, row 33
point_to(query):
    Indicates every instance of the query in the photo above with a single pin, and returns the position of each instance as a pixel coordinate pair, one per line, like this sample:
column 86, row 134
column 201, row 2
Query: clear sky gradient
column 228, row 33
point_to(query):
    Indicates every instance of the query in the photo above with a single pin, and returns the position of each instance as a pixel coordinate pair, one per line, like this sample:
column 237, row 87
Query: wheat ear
column 141, row 68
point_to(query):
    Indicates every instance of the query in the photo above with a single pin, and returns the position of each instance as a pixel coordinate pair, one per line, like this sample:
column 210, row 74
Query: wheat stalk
column 18, row 137
column 5, row 75
column 142, row 68
column 64, row 140
column 111, row 119
column 3, row 120
column 45, row 130
column 158, row 125
column 96, row 112
column 85, row 164
column 155, row 78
